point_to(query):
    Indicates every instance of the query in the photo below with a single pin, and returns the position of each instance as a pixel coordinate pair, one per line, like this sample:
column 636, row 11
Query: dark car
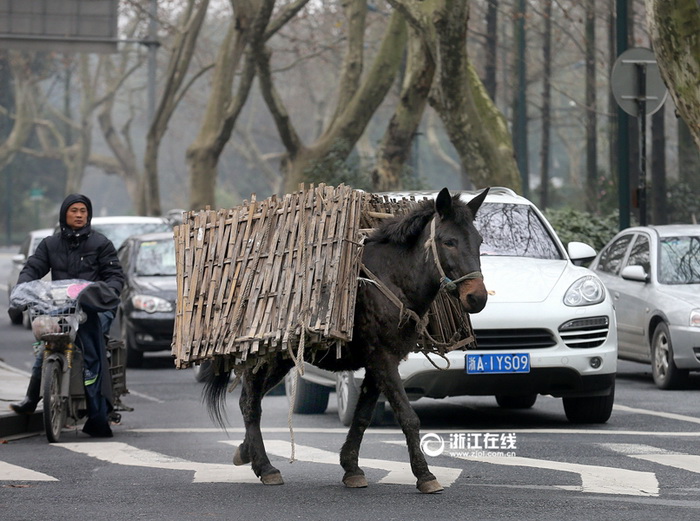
column 147, row 309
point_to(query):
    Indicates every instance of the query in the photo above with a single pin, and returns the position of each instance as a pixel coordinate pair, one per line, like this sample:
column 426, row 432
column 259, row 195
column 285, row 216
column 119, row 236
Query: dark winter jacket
column 75, row 254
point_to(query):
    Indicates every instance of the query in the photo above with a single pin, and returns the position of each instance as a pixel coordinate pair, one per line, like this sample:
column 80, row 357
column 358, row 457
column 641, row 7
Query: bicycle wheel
column 54, row 404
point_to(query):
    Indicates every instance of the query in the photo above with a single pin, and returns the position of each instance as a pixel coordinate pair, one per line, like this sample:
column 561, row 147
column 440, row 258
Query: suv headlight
column 151, row 304
column 695, row 318
column 586, row 291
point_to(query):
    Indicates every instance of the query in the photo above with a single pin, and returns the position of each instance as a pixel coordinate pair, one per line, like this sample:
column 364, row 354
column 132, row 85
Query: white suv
column 548, row 327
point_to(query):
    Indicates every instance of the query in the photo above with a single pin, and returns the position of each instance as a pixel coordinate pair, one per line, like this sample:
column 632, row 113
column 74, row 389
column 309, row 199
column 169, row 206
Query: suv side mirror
column 634, row 273
column 580, row 253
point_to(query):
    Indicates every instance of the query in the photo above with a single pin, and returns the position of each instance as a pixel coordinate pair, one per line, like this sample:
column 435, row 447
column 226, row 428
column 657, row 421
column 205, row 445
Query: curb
column 12, row 424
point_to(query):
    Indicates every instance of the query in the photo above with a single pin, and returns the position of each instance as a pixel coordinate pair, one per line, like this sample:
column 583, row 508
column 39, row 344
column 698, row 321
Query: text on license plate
column 491, row 363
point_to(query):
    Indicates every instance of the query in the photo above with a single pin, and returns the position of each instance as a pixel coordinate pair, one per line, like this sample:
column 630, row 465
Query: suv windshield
column 679, row 261
column 514, row 230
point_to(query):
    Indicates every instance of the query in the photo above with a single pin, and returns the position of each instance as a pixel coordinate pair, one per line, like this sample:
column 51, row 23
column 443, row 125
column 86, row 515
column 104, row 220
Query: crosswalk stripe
column 124, row 454
column 688, row 462
column 10, row 472
column 398, row 473
column 594, row 479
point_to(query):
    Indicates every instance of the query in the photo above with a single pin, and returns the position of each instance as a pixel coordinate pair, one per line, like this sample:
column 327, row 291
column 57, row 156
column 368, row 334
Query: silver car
column 653, row 275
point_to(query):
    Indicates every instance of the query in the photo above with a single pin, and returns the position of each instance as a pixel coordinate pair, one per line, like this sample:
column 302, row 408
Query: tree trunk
column 591, row 119
column 674, row 26
column 659, row 211
column 490, row 48
column 476, row 128
column 520, row 141
column 222, row 109
column 396, row 145
column 314, row 163
column 688, row 157
column 546, row 105
column 180, row 58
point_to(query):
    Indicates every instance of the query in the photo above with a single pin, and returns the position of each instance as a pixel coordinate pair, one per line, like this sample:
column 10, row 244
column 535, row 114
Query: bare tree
column 357, row 101
column 250, row 20
column 475, row 126
column 174, row 83
column 24, row 115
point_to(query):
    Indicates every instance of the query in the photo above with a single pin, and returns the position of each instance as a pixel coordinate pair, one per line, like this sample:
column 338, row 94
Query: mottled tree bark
column 674, row 26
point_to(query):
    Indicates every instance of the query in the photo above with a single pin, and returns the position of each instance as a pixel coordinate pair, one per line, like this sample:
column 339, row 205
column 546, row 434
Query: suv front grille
column 503, row 339
column 585, row 332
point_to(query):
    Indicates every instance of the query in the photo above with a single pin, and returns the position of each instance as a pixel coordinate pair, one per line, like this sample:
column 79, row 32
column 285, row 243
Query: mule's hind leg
column 390, row 384
column 254, row 387
column 354, row 476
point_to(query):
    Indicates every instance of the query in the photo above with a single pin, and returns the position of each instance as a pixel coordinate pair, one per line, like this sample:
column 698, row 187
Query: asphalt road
column 169, row 461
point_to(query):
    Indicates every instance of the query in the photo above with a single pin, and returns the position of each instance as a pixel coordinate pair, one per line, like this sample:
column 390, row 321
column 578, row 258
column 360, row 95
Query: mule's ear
column 475, row 203
column 443, row 204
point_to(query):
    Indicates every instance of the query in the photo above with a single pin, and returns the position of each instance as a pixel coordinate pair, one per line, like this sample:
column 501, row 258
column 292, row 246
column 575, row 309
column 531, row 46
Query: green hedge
column 577, row 225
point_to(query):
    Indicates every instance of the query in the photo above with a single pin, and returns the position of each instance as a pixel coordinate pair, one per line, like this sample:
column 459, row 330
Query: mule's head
column 457, row 244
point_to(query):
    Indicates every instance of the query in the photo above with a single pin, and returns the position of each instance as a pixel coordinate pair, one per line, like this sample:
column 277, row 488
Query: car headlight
column 586, row 291
column 695, row 318
column 151, row 304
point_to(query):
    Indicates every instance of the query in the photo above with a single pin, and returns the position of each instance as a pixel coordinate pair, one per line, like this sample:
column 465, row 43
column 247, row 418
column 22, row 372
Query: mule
column 433, row 247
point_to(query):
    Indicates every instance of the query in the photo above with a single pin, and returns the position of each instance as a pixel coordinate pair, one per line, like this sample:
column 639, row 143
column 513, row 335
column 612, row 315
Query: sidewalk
column 13, row 386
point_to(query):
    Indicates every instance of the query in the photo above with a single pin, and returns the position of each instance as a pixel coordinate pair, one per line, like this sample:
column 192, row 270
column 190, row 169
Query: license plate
column 498, row 363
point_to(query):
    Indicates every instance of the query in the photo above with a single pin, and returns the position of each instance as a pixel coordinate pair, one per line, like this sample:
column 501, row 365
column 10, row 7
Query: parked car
column 653, row 274
column 118, row 228
column 548, row 327
column 146, row 313
column 26, row 249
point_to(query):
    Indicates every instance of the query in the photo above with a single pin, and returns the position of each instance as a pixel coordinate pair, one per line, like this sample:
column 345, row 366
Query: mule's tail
column 214, row 396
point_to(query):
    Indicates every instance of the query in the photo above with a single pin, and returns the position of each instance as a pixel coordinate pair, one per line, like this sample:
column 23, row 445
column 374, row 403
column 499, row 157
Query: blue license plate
column 498, row 363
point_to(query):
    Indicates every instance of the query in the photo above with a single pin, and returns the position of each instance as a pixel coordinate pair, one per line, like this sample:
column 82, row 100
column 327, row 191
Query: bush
column 577, row 225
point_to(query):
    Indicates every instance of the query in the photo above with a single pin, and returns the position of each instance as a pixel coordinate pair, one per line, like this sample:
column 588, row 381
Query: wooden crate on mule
column 252, row 280
column 269, row 275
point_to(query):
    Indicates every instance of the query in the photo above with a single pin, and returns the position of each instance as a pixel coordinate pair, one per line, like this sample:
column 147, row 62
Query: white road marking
column 689, row 462
column 668, row 415
column 594, row 479
column 398, row 473
column 10, row 472
column 123, row 454
column 145, row 396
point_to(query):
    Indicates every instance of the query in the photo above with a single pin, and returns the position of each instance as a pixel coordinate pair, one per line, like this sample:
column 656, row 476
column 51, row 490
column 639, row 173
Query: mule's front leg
column 391, row 386
column 350, row 452
column 252, row 450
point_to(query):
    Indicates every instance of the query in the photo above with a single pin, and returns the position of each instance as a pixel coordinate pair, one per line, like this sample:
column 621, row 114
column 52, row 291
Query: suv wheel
column 664, row 370
column 310, row 398
column 589, row 409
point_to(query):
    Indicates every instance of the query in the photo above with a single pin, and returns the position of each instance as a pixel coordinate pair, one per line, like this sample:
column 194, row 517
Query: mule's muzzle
column 473, row 295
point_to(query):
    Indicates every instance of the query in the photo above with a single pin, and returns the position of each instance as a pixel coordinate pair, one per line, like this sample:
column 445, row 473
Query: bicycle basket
column 55, row 327
column 53, row 308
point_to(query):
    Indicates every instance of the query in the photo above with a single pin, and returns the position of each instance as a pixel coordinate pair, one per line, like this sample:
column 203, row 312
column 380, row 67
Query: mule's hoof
column 238, row 459
column 272, row 479
column 355, row 481
column 430, row 487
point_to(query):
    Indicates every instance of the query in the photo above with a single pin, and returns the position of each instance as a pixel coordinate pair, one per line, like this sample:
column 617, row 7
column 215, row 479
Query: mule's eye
column 450, row 243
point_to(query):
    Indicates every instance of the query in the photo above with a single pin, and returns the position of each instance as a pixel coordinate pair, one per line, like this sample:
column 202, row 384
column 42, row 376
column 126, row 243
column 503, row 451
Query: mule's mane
column 405, row 230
